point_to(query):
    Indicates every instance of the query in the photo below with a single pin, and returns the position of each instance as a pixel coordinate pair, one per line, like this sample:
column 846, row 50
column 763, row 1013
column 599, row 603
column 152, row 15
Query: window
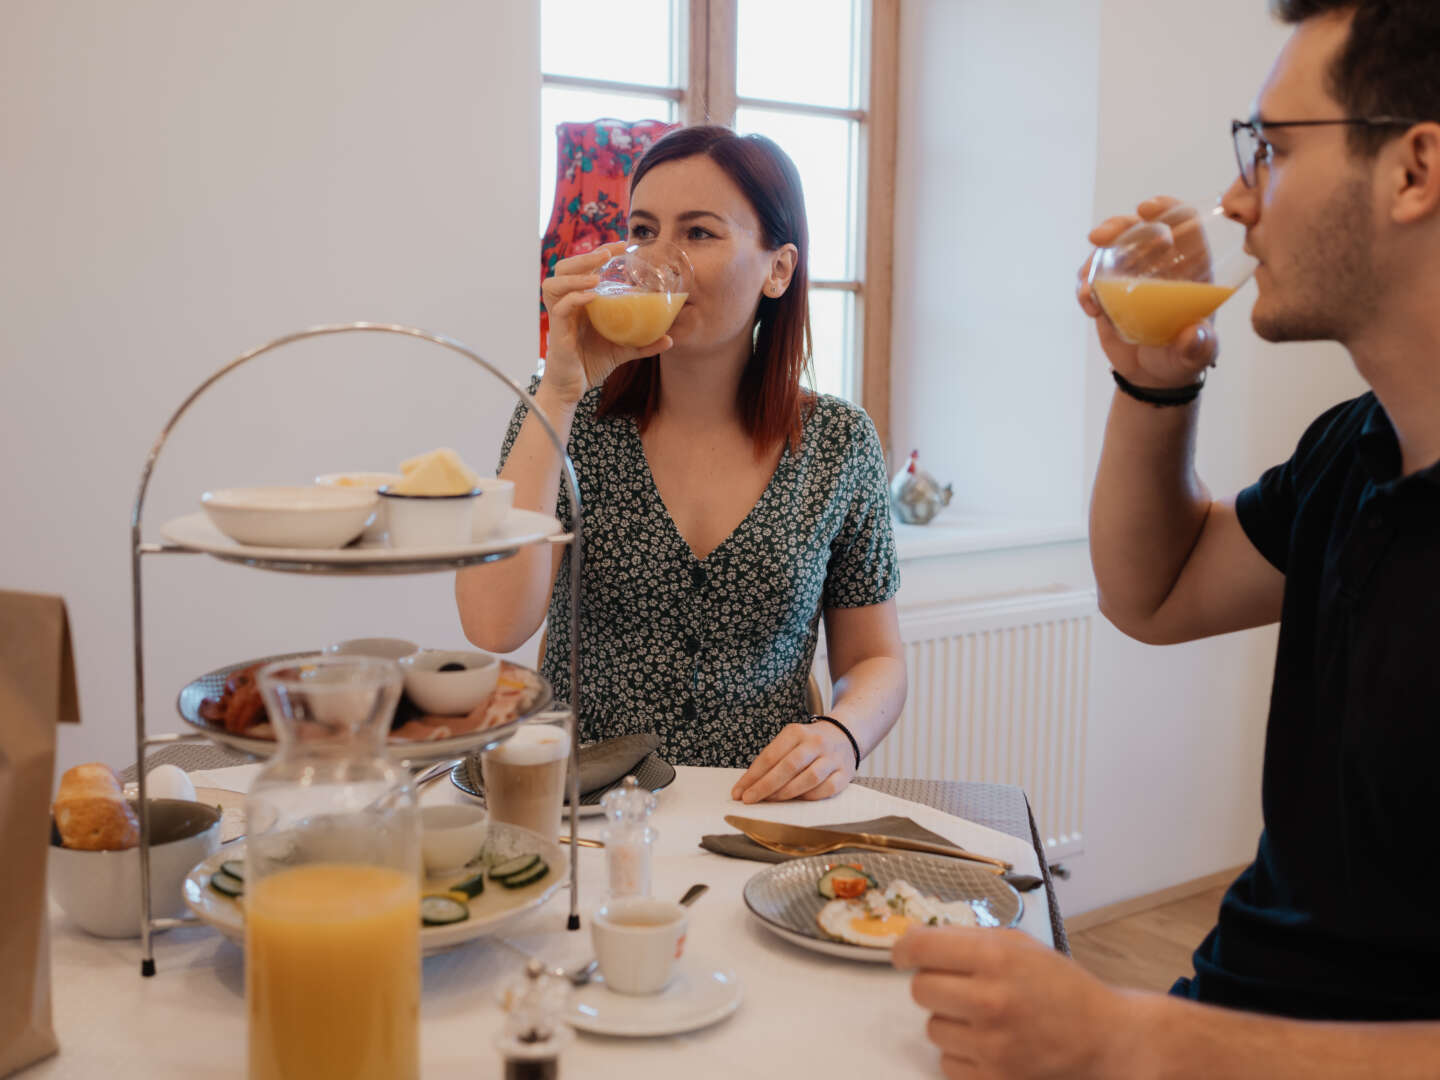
column 736, row 62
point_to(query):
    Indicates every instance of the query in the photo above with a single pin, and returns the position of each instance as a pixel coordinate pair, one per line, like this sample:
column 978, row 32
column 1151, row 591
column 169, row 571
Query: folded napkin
column 739, row 846
column 601, row 764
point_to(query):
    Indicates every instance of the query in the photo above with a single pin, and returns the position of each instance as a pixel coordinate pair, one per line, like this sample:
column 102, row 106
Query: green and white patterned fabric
column 714, row 655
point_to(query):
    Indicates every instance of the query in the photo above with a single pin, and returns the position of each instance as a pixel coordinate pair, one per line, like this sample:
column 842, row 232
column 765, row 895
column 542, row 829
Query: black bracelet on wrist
column 853, row 744
column 1161, row 398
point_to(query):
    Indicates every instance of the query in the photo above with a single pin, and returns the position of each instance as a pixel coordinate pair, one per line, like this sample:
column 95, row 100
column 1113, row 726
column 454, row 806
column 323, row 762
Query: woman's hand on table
column 805, row 761
column 576, row 356
column 1002, row 1004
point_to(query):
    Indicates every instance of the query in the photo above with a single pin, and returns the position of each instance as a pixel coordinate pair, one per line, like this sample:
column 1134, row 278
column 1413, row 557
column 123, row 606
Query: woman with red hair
column 726, row 507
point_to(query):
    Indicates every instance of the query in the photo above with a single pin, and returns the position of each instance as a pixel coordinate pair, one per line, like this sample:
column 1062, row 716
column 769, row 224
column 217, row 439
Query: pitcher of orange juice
column 1160, row 276
column 332, row 880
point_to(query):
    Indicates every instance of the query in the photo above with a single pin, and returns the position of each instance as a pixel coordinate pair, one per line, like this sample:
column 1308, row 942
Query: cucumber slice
column 227, row 884
column 852, row 882
column 510, row 867
column 234, row 867
column 527, row 877
column 471, row 886
column 438, row 909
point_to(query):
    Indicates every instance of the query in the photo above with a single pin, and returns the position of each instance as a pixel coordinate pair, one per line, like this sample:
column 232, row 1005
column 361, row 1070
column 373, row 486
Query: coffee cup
column 524, row 778
column 637, row 941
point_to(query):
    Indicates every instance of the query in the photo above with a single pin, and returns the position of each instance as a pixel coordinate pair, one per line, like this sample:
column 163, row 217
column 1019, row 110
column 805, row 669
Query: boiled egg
column 878, row 918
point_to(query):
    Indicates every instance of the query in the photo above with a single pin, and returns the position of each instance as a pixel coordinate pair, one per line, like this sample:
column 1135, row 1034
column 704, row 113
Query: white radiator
column 999, row 692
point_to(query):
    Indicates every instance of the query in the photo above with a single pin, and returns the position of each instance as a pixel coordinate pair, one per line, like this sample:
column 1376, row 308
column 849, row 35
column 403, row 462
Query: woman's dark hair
column 772, row 401
column 1388, row 66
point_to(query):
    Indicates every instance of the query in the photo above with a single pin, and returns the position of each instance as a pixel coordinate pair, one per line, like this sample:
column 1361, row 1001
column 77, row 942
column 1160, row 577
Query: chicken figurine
column 915, row 495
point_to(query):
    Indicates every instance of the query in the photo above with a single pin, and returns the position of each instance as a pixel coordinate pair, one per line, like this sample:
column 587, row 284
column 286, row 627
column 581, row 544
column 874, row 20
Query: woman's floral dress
column 713, row 655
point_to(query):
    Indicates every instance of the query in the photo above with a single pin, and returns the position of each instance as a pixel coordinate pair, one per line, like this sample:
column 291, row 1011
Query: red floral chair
column 592, row 189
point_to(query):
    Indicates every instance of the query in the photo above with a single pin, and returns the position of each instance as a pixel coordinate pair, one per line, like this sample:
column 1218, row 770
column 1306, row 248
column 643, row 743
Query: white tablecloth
column 803, row 1014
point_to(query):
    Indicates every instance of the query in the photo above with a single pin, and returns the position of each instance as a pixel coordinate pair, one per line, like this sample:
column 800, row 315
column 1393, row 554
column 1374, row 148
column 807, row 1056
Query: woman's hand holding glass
column 577, row 357
column 1179, row 363
column 805, row 761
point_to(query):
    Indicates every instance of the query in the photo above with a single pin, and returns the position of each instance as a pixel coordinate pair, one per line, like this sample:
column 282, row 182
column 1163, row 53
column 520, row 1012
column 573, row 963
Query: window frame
column 704, row 92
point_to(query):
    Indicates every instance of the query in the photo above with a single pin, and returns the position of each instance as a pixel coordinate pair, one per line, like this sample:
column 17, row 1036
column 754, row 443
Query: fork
column 826, row 848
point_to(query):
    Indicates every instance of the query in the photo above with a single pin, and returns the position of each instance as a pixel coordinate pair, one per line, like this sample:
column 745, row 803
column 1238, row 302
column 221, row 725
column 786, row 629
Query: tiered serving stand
column 351, row 563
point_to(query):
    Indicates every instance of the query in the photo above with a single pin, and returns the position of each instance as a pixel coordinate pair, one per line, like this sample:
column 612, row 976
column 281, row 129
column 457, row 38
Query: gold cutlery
column 583, row 842
column 802, row 840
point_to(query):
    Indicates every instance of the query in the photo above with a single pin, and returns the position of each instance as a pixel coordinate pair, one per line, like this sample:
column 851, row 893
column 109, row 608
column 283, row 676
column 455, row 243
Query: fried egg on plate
column 879, row 917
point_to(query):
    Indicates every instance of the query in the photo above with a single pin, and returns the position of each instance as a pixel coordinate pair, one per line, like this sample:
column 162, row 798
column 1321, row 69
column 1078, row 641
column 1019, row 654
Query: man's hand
column 1177, row 364
column 805, row 761
column 1003, row 1005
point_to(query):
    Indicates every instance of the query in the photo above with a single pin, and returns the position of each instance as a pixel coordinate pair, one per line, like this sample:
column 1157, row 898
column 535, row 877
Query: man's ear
column 782, row 269
column 1416, row 175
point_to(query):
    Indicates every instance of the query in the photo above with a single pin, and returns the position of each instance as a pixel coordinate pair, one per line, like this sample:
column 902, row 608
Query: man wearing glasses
column 1333, row 933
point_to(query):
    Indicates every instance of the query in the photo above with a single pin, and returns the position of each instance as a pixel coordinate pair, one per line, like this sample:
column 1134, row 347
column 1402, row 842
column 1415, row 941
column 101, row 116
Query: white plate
column 698, row 995
column 195, row 532
column 784, row 896
column 490, row 912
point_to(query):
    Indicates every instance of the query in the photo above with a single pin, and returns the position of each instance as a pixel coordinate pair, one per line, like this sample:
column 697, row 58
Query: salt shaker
column 534, row 1035
column 629, row 841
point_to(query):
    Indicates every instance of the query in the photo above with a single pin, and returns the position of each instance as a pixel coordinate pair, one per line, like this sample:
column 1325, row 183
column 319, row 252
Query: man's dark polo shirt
column 1339, row 915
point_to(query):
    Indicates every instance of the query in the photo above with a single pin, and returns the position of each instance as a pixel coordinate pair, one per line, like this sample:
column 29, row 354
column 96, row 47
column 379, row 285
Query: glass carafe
column 332, row 880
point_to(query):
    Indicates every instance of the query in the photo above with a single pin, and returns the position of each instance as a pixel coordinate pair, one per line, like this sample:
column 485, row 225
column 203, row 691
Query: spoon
column 581, row 976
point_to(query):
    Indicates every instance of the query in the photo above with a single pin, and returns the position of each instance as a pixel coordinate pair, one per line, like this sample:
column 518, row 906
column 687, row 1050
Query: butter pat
column 440, row 472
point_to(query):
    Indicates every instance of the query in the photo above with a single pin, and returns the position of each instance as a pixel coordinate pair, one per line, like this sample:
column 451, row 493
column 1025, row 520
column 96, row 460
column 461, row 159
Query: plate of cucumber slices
column 513, row 872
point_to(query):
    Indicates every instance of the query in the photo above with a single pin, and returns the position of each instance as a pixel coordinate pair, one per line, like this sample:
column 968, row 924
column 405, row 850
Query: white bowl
column 450, row 836
column 425, row 521
column 449, row 693
column 290, row 517
column 364, row 481
column 384, row 648
column 100, row 890
column 496, row 498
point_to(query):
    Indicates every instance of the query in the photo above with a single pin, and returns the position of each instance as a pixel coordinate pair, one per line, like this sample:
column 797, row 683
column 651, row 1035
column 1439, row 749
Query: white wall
column 185, row 181
column 996, row 151
column 1023, row 123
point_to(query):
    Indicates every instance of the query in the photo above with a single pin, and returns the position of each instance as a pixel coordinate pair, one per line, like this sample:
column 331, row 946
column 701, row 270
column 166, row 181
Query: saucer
column 698, row 995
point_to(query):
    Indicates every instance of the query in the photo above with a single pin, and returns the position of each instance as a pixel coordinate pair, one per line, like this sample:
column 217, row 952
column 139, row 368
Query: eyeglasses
column 1252, row 148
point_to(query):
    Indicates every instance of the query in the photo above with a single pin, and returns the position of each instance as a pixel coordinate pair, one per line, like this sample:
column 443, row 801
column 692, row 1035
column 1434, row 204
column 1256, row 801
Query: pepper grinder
column 629, row 841
column 534, row 1035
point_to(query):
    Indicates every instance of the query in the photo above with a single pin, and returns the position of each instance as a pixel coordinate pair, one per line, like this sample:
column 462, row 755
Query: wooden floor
column 1151, row 949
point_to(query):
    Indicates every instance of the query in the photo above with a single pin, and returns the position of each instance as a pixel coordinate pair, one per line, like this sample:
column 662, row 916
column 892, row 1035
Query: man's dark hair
column 1390, row 66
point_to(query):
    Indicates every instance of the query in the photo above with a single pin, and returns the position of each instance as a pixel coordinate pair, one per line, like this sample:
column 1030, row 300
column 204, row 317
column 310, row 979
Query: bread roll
column 91, row 812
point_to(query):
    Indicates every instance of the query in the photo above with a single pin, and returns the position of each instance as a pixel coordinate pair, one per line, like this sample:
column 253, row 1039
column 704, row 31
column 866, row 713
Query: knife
column 767, row 833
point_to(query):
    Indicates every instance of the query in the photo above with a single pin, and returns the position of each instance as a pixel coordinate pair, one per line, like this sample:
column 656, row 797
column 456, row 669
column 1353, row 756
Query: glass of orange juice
column 641, row 291
column 332, row 880
column 1160, row 276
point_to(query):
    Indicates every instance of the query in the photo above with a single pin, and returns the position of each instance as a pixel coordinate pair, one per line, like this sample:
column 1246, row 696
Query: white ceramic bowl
column 364, row 481
column 100, row 890
column 383, row 648
column 290, row 517
column 450, row 836
column 429, row 521
column 496, row 498
column 449, row 693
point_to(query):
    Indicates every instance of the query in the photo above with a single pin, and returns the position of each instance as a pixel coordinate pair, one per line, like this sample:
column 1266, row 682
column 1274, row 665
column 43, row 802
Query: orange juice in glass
column 1160, row 276
column 332, row 880
column 332, row 973
column 640, row 293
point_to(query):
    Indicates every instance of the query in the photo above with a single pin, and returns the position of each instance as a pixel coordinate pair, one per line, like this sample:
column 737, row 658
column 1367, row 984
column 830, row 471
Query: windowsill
column 958, row 534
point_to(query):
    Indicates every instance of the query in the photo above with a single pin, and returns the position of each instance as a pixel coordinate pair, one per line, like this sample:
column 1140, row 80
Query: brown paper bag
column 37, row 691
